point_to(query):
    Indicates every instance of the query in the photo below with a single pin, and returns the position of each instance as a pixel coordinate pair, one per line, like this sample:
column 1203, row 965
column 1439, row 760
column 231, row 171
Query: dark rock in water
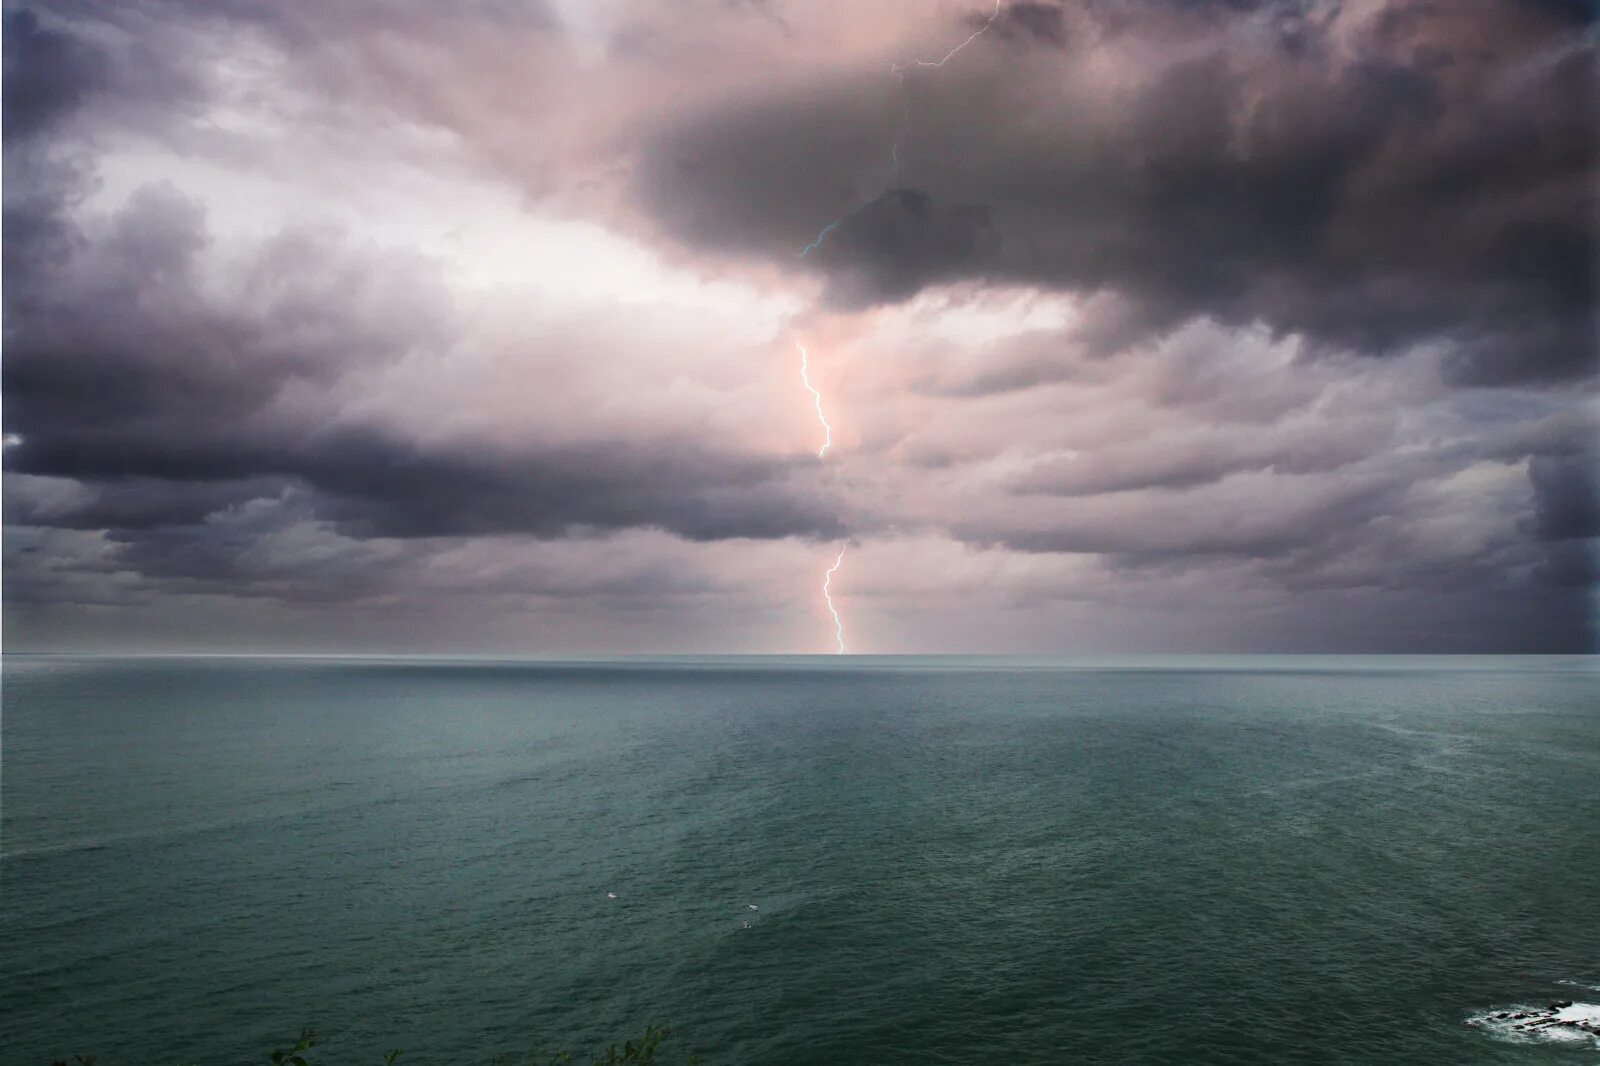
column 1562, row 1005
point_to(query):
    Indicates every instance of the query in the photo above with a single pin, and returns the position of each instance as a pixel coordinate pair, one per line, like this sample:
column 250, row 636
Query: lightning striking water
column 899, row 67
column 827, row 580
column 805, row 378
column 898, row 70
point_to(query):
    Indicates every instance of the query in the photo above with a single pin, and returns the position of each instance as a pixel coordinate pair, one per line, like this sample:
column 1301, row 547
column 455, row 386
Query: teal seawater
column 954, row 861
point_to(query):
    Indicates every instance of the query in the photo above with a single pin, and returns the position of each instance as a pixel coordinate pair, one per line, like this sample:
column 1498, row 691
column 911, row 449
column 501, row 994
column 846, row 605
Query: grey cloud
column 126, row 371
column 47, row 74
column 1042, row 22
column 131, row 61
column 1566, row 495
column 821, row 151
column 382, row 486
column 1185, row 461
column 899, row 243
column 1436, row 185
column 132, row 503
column 1275, row 515
column 1422, row 175
column 1420, row 190
column 1217, row 452
column 1573, row 565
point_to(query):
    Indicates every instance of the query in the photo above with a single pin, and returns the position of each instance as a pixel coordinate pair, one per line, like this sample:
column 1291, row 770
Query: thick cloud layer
column 1374, row 177
column 1138, row 326
column 129, row 371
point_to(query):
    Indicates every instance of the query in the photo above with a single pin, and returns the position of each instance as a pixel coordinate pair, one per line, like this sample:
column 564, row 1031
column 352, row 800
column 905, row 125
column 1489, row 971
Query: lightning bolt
column 827, row 580
column 805, row 378
column 814, row 245
column 898, row 68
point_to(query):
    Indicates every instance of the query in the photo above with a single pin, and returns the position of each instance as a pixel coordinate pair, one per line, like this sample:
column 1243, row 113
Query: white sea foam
column 1578, row 1023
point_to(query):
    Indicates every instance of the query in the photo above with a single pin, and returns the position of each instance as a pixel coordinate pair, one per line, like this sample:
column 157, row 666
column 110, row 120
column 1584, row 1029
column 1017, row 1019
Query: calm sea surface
column 1319, row 860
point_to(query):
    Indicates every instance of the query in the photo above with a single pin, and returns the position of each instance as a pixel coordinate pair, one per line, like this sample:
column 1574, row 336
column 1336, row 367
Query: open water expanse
column 1321, row 860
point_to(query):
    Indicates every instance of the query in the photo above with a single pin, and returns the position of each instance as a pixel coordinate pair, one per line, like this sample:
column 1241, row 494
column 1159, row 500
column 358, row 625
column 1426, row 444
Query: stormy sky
column 1141, row 325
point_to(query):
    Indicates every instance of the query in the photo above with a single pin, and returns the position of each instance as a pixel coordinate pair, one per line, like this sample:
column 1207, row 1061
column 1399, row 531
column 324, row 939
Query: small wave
column 1566, row 1023
column 82, row 847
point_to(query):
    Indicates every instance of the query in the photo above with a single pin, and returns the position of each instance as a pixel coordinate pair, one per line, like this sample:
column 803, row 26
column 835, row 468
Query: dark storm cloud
column 821, row 153
column 137, row 503
column 382, row 486
column 901, row 242
column 373, row 484
column 140, row 71
column 47, row 74
column 280, row 417
column 1566, row 495
column 1573, row 565
column 120, row 363
column 1041, row 22
column 125, row 371
column 1425, row 176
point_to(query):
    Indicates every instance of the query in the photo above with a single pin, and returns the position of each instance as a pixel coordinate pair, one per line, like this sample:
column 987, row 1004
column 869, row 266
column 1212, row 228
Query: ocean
column 801, row 860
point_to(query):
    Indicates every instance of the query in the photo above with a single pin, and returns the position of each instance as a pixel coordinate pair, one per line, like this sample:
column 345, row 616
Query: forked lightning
column 899, row 67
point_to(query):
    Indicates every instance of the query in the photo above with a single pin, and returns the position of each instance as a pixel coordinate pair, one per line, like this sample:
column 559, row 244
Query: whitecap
column 1577, row 1023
